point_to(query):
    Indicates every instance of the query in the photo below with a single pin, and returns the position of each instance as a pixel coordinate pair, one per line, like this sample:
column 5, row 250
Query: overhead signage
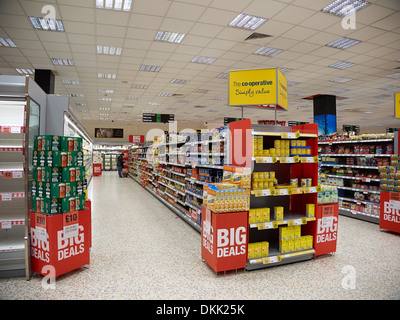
column 258, row 87
column 397, row 105
column 158, row 117
column 392, row 130
column 351, row 128
column 108, row 133
column 229, row 120
column 136, row 138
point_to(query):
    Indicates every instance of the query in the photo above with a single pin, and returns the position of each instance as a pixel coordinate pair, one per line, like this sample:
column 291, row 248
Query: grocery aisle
column 142, row 250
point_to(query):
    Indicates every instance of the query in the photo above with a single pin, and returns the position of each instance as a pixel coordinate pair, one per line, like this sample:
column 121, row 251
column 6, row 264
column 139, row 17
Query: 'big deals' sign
column 258, row 87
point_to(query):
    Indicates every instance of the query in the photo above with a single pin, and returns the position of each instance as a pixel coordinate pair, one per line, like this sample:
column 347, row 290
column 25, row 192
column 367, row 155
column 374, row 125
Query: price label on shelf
column 288, row 135
column 17, row 174
column 5, row 196
column 15, row 129
column 5, row 224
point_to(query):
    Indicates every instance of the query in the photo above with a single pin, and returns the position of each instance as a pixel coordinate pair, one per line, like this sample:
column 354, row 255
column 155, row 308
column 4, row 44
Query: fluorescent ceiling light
column 166, row 36
column 77, row 95
column 132, row 98
column 223, row 75
column 104, row 109
column 343, row 8
column 109, row 50
column 203, row 59
column 266, row 51
column 154, row 103
column 247, row 21
column 71, row 82
column 342, row 65
column 341, row 80
column 343, row 43
column 47, row 24
column 292, row 83
column 139, row 86
column 7, row 42
column 179, row 81
column 394, row 76
column 145, row 67
column 25, row 71
column 114, row 4
column 164, row 94
column 63, row 62
column 390, row 87
column 107, row 75
column 202, row 90
column 106, row 91
column 80, row 104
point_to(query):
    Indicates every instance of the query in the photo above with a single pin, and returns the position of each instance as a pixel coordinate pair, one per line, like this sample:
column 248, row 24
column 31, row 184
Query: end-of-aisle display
column 60, row 219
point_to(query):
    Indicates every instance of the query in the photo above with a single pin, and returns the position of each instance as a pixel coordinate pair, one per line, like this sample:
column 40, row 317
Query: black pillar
column 45, row 79
column 325, row 114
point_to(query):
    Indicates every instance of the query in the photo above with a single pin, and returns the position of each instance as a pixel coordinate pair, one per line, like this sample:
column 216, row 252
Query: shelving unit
column 292, row 198
column 19, row 123
column 174, row 169
column 352, row 166
column 72, row 128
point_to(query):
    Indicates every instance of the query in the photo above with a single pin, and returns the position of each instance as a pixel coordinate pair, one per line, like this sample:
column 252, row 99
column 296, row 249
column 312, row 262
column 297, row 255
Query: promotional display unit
column 60, row 221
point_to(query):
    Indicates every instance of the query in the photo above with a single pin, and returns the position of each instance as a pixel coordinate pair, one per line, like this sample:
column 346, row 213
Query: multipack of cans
column 59, row 183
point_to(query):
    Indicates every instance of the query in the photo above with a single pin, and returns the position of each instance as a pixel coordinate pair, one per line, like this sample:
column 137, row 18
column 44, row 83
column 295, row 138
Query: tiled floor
column 142, row 250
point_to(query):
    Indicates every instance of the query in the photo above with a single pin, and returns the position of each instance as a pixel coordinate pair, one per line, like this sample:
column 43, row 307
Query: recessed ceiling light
column 63, row 62
column 343, row 8
column 106, row 91
column 25, row 71
column 390, row 87
column 340, row 90
column 77, row 95
column 164, row 94
column 80, row 104
column 71, row 82
column 292, row 83
column 107, row 75
column 145, row 67
column 109, row 50
column 183, row 101
column 47, row 24
column 166, row 36
column 179, row 81
column 7, row 42
column 154, row 103
column 132, row 98
column 266, row 51
column 247, row 21
column 341, row 80
column 203, row 59
column 342, row 65
column 105, row 99
column 342, row 43
column 114, row 4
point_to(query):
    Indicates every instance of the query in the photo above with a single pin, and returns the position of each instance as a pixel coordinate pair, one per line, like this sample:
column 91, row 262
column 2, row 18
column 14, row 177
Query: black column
column 45, row 79
column 325, row 114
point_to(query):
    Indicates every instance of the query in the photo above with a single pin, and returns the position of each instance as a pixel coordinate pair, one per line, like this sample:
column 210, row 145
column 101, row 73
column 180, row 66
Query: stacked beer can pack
column 59, row 183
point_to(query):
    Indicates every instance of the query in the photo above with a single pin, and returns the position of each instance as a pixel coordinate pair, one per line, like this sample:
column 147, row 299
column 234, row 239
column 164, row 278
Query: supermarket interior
column 199, row 150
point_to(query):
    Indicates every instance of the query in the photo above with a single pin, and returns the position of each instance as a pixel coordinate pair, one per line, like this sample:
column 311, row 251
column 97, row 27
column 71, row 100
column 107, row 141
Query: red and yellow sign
column 397, row 105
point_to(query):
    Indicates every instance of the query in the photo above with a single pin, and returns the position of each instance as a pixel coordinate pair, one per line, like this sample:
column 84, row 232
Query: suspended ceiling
column 297, row 27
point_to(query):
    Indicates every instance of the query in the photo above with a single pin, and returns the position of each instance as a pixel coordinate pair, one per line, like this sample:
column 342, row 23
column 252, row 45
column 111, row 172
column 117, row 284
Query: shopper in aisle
column 120, row 165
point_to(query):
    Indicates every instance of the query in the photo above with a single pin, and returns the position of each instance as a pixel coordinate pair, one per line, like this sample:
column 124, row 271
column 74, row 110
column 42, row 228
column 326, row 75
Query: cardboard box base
column 58, row 254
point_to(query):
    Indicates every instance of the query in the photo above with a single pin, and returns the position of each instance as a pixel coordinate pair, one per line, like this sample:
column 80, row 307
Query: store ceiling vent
column 177, row 94
column 256, row 35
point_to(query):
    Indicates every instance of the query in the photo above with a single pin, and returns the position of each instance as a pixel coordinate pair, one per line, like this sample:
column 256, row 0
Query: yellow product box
column 309, row 242
column 303, row 241
column 240, row 176
column 272, row 174
column 264, row 248
column 278, row 213
column 310, row 210
column 266, row 214
column 284, row 246
column 257, row 250
column 297, row 231
column 291, row 232
column 283, row 233
column 252, row 216
column 259, row 215
column 251, row 251
column 291, row 245
column 297, row 244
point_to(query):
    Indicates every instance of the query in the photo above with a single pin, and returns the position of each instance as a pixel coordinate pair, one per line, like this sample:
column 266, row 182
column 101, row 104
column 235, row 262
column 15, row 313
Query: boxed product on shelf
column 258, row 249
column 223, row 197
column 328, row 194
column 46, row 142
column 240, row 176
column 310, row 210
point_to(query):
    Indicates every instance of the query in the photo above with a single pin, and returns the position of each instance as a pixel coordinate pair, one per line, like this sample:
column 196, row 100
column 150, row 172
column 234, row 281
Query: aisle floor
column 142, row 250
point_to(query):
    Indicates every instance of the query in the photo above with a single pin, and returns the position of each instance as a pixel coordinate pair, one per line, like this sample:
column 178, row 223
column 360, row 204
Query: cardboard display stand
column 389, row 218
column 224, row 239
column 61, row 241
column 97, row 170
